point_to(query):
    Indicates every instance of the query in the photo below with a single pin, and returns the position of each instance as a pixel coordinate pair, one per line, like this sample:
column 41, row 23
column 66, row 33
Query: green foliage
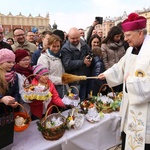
column 115, row 105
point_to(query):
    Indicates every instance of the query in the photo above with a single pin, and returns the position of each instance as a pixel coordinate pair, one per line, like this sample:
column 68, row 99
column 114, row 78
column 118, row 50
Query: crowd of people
column 116, row 59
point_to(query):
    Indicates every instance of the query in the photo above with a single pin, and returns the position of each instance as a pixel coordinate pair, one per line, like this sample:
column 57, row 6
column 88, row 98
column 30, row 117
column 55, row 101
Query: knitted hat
column 134, row 22
column 20, row 54
column 40, row 70
column 6, row 55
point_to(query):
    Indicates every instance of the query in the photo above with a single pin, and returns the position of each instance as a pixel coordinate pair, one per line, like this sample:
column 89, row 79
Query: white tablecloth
column 96, row 136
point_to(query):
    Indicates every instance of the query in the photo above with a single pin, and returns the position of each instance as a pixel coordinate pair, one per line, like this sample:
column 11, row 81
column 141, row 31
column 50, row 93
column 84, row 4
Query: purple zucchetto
column 133, row 22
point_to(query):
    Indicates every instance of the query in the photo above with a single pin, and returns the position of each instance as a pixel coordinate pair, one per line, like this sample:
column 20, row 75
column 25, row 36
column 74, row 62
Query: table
column 97, row 136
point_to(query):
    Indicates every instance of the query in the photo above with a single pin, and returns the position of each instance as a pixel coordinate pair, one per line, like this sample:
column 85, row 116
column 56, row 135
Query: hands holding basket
column 10, row 101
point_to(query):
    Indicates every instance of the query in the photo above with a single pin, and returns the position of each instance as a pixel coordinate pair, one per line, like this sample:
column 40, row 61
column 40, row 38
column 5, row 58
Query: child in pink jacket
column 38, row 108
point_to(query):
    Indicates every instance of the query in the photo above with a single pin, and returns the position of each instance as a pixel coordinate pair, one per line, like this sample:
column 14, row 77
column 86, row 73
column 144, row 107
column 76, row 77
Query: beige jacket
column 26, row 45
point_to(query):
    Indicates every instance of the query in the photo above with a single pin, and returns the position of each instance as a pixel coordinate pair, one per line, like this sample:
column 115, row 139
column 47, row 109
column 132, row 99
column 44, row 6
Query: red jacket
column 37, row 106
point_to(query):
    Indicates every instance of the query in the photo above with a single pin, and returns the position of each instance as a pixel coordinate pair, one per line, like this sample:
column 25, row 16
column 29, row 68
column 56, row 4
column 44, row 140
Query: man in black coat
column 75, row 58
column 2, row 43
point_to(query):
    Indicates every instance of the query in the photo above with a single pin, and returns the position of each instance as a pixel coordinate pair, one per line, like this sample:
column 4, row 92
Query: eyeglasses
column 19, row 35
column 25, row 60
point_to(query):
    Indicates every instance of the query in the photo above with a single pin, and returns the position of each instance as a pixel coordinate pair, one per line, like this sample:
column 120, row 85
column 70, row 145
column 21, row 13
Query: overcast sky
column 72, row 13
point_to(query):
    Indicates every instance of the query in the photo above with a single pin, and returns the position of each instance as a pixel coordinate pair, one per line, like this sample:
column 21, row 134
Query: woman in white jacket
column 50, row 58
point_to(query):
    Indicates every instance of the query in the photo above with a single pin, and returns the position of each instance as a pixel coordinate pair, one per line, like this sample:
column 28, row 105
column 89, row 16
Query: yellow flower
column 71, row 95
column 70, row 118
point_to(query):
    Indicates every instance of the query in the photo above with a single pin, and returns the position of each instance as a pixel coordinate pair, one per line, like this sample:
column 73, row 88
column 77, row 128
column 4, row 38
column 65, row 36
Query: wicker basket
column 25, row 116
column 32, row 93
column 106, row 85
column 55, row 132
column 106, row 108
column 71, row 98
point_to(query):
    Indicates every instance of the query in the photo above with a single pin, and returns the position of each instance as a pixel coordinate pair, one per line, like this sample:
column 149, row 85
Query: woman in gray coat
column 113, row 49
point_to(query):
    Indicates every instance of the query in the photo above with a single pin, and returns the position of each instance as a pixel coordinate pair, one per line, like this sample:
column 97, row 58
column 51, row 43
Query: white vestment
column 135, row 106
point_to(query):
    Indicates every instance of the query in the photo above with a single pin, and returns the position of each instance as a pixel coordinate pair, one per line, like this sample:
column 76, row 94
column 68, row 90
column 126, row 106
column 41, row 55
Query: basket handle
column 109, row 87
column 31, row 75
column 75, row 88
column 23, row 109
column 46, row 114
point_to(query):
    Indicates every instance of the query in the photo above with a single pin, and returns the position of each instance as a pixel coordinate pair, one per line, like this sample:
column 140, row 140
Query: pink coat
column 37, row 106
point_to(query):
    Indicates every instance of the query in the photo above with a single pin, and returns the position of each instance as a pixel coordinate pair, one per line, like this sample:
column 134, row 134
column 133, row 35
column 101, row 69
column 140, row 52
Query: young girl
column 38, row 108
column 23, row 69
column 9, row 95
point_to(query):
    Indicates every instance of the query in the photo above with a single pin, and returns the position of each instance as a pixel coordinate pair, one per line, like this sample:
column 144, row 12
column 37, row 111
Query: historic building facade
column 109, row 22
column 9, row 22
column 146, row 13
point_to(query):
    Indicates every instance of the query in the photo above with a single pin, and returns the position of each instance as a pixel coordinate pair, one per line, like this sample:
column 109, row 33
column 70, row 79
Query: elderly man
column 21, row 42
column 135, row 106
column 75, row 59
column 2, row 43
column 30, row 37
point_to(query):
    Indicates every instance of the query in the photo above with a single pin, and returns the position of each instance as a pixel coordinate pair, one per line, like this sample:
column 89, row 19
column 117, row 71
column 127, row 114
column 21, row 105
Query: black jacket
column 97, row 67
column 73, row 58
column 35, row 56
column 5, row 45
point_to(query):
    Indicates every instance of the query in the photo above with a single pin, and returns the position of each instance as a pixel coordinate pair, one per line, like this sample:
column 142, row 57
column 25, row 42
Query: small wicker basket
column 55, row 132
column 33, row 92
column 106, row 85
column 71, row 94
column 25, row 116
column 106, row 108
column 71, row 98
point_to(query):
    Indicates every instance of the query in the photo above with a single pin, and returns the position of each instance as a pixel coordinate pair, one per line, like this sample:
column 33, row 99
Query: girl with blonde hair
column 9, row 95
